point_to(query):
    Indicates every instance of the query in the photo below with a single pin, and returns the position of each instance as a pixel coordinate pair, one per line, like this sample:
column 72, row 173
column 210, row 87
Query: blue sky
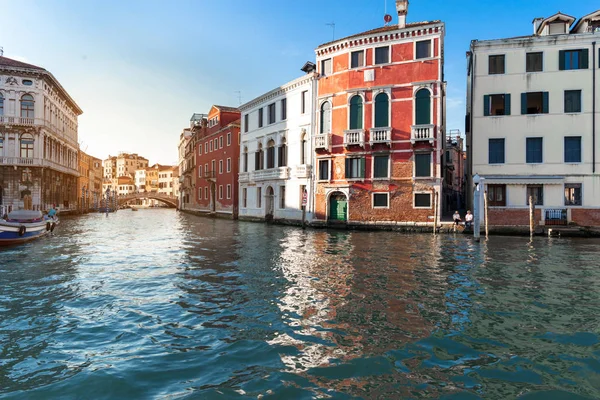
column 140, row 68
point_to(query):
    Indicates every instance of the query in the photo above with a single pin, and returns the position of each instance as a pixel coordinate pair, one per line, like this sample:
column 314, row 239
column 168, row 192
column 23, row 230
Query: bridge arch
column 170, row 201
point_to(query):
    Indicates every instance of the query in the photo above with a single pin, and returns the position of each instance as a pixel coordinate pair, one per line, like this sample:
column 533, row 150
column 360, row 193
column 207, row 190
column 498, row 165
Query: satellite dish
column 387, row 18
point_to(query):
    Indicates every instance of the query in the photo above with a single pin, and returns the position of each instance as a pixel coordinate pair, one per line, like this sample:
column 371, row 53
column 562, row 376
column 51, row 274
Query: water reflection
column 160, row 304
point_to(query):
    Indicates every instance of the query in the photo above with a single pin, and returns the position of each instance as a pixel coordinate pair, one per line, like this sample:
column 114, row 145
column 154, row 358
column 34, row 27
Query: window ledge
column 381, row 207
column 387, row 178
column 423, row 177
column 422, row 208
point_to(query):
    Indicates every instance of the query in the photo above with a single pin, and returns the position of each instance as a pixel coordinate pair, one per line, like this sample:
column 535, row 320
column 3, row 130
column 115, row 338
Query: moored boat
column 24, row 225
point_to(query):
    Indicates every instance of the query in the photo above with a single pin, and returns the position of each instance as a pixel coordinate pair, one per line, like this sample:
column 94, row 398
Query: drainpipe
column 593, row 107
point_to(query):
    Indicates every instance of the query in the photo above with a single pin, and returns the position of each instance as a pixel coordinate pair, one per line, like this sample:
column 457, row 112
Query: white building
column 165, row 180
column 276, row 152
column 532, row 122
column 140, row 180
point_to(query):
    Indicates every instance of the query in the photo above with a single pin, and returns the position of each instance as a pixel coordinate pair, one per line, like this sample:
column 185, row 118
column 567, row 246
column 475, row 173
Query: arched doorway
column 338, row 207
column 269, row 204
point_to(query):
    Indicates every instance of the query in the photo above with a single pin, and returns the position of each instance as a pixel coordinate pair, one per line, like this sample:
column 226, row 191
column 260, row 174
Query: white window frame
column 373, row 200
column 319, row 169
column 221, row 141
column 220, row 167
column 200, row 150
column 350, row 59
column 431, row 52
column 431, row 105
column 200, row 171
column 321, row 65
column 259, row 198
column 220, row 192
column 388, row 91
column 229, row 139
column 430, row 200
column 430, row 165
column 389, row 156
column 389, row 56
column 228, row 189
column 229, row 165
column 205, row 192
column 244, row 197
column 362, row 96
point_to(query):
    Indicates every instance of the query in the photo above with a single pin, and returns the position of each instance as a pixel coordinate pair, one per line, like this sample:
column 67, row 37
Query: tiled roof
column 227, row 109
column 392, row 27
column 9, row 62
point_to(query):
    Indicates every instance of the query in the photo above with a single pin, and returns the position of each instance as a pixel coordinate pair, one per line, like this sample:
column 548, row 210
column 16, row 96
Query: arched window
column 1, row 104
column 325, row 118
column 382, row 114
column 356, row 112
column 27, row 104
column 245, row 160
column 271, row 154
column 303, row 148
column 282, row 156
column 26, row 146
column 258, row 158
column 423, row 107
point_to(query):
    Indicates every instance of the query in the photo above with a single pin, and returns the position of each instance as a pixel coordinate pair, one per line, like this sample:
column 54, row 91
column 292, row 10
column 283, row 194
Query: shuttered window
column 423, row 164
column 496, row 151
column 356, row 112
column 534, row 150
column 355, row 168
column 423, row 107
column 573, row 59
column 573, row 149
column 382, row 111
column 381, row 166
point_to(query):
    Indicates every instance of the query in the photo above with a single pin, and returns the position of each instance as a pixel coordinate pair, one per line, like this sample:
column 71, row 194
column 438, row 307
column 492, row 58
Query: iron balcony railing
column 556, row 216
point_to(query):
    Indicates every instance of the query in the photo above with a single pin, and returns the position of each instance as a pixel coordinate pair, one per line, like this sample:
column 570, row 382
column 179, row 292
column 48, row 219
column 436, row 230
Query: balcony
column 354, row 137
column 422, row 133
column 210, row 175
column 271, row 173
column 244, row 177
column 20, row 121
column 303, row 171
column 323, row 141
column 31, row 162
column 381, row 136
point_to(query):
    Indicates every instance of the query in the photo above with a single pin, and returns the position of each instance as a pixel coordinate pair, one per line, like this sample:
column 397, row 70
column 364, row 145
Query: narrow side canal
column 160, row 304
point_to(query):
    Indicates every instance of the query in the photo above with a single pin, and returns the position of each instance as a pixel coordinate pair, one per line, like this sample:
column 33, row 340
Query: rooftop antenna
column 332, row 25
column 239, row 96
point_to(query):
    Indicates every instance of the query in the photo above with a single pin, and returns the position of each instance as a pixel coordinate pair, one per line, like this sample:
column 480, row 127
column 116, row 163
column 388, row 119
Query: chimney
column 536, row 24
column 402, row 8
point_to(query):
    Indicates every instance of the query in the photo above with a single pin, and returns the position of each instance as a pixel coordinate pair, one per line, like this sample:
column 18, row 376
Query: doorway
column 338, row 207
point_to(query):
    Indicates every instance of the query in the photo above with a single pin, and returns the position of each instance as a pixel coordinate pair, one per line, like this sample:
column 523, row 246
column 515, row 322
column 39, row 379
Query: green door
column 338, row 208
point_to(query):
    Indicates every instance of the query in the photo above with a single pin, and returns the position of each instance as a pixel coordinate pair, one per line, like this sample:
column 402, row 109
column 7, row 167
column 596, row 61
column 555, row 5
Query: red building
column 217, row 154
column 380, row 124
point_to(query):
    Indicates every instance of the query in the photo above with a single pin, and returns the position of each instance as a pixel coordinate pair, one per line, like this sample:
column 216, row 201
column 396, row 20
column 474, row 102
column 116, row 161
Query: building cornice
column 301, row 81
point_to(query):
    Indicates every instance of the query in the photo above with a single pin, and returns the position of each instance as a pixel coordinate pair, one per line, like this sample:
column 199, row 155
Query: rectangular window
column 323, row 170
column 534, row 103
column 572, row 194
column 229, row 139
column 221, row 142
column 211, row 144
column 199, row 171
column 244, row 197
column 229, row 165
column 326, row 67
column 229, row 191
column 303, row 102
column 448, row 157
column 260, row 117
column 382, row 55
column 496, row 64
column 245, row 160
column 357, row 59
column 380, row 200
column 573, row 59
column 302, row 190
column 496, row 195
column 572, row 101
column 496, row 104
column 534, row 150
column 220, row 166
column 422, row 200
column 536, row 192
column 496, row 151
column 534, row 62
column 200, row 150
column 205, row 168
column 381, row 166
column 423, row 49
column 259, row 197
column 272, row 113
column 282, row 197
column 283, row 109
column 572, row 149
column 423, row 164
column 220, row 192
column 206, row 193
column 355, row 168
column 246, row 123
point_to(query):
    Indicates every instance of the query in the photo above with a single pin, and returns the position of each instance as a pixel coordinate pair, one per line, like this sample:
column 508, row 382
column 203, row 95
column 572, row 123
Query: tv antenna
column 239, row 96
column 332, row 25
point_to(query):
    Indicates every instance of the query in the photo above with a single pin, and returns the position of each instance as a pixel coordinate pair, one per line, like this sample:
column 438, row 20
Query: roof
column 9, row 62
column 383, row 29
column 552, row 18
column 595, row 14
column 227, row 109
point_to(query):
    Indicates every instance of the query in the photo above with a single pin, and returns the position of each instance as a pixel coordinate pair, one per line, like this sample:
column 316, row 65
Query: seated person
column 469, row 219
column 456, row 218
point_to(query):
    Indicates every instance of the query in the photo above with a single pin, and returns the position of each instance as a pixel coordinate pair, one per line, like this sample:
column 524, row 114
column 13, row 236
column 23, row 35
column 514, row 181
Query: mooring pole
column 485, row 215
column 531, row 207
column 476, row 207
column 435, row 211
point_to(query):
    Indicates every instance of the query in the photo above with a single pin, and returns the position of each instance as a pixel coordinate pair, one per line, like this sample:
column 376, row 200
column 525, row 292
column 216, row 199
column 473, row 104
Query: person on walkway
column 468, row 219
column 456, row 218
column 52, row 212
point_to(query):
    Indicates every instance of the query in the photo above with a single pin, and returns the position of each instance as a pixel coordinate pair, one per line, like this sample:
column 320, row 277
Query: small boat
column 24, row 225
column 133, row 209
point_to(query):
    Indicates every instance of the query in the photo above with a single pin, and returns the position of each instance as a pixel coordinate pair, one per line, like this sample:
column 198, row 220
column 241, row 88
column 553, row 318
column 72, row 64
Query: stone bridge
column 171, row 201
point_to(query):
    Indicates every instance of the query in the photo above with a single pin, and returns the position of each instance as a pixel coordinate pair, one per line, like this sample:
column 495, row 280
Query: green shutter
column 381, row 111
column 585, row 57
column 486, row 105
column 362, row 167
column 356, row 111
column 545, row 102
column 523, row 103
column 423, row 104
column 507, row 104
column 561, row 60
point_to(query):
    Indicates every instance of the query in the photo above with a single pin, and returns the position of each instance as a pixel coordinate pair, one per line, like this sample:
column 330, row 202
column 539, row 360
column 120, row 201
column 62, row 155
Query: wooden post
column 435, row 211
column 485, row 215
column 531, row 211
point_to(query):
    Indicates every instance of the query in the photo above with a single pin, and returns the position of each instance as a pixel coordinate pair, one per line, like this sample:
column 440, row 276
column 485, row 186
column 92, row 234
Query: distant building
column 95, row 182
column 453, row 186
column 532, row 122
column 380, row 124
column 38, row 139
column 187, row 160
column 276, row 152
column 125, row 185
column 217, row 155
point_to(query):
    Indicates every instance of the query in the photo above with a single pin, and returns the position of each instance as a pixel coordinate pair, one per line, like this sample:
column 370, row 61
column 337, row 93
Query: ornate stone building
column 38, row 139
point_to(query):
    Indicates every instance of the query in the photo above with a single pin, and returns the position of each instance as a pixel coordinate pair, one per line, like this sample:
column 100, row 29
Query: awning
column 523, row 179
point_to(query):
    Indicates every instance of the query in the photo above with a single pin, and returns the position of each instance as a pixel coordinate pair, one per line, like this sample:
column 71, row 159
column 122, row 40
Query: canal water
column 158, row 304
